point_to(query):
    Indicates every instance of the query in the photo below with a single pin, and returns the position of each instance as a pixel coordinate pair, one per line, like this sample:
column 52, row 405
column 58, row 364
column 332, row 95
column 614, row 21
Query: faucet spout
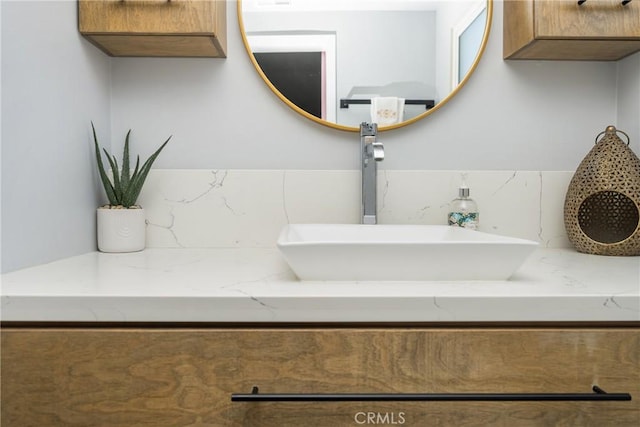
column 371, row 152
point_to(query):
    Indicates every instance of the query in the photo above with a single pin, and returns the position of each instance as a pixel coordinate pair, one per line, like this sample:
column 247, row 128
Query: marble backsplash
column 247, row 208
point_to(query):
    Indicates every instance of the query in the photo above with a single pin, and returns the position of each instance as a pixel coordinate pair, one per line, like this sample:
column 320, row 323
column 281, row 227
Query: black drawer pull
column 597, row 395
column 624, row 2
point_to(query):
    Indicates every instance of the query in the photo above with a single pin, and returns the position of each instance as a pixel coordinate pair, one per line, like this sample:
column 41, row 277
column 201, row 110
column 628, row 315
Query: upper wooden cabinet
column 598, row 30
column 189, row 28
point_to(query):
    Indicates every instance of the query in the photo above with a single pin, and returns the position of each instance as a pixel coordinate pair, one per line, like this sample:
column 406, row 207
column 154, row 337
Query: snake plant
column 124, row 189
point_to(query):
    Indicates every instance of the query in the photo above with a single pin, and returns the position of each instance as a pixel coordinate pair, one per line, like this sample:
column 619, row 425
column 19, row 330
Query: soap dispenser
column 463, row 210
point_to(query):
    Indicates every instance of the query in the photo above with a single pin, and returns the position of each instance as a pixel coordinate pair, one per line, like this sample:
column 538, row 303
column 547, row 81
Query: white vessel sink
column 348, row 252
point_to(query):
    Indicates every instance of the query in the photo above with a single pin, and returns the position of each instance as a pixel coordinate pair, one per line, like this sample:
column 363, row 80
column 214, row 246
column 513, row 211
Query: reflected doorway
column 299, row 76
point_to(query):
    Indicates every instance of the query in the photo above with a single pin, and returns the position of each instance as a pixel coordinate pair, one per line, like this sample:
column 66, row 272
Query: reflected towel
column 387, row 110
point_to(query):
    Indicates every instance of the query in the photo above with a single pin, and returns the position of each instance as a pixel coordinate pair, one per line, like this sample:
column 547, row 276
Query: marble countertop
column 256, row 285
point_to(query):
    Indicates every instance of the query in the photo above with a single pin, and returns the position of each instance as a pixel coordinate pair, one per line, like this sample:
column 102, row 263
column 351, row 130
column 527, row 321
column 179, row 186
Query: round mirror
column 344, row 62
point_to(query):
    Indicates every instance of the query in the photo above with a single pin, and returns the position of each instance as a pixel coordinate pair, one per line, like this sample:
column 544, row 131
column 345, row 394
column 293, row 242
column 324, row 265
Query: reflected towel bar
column 597, row 395
column 428, row 103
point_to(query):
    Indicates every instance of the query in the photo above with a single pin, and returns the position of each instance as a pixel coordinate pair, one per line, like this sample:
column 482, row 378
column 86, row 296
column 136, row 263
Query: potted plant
column 121, row 223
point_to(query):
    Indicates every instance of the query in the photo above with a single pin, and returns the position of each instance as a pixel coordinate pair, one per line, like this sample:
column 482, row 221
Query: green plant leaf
column 108, row 187
column 129, row 197
column 135, row 170
column 125, row 178
column 116, row 179
column 138, row 181
column 126, row 187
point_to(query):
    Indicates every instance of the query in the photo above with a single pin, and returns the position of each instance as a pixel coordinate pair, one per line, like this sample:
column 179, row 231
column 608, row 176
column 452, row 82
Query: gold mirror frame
column 483, row 44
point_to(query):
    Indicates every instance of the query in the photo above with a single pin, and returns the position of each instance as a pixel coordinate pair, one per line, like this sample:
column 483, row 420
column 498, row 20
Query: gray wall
column 528, row 115
column 510, row 116
column 53, row 84
column 629, row 99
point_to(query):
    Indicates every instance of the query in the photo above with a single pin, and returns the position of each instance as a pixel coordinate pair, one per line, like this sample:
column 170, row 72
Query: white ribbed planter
column 121, row 230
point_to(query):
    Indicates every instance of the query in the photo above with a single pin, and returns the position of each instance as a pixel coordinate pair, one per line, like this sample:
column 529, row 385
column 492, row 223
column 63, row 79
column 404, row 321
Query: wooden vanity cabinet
column 129, row 377
column 600, row 30
column 166, row 28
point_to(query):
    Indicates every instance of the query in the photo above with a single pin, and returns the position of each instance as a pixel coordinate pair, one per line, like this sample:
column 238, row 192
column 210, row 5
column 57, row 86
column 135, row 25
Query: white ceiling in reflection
column 323, row 5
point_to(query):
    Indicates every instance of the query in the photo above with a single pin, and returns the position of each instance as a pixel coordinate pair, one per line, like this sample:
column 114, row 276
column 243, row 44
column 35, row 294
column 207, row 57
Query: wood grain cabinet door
column 594, row 19
column 186, row 377
column 189, row 28
column 565, row 30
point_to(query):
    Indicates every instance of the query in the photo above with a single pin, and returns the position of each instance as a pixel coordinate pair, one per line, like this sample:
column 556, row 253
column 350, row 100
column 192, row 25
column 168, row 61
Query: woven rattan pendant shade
column 602, row 205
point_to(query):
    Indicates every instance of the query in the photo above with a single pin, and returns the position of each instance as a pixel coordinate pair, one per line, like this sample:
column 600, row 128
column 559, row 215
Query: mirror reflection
column 344, row 62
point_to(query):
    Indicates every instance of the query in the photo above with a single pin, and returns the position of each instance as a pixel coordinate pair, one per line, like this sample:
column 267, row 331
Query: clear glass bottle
column 464, row 210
